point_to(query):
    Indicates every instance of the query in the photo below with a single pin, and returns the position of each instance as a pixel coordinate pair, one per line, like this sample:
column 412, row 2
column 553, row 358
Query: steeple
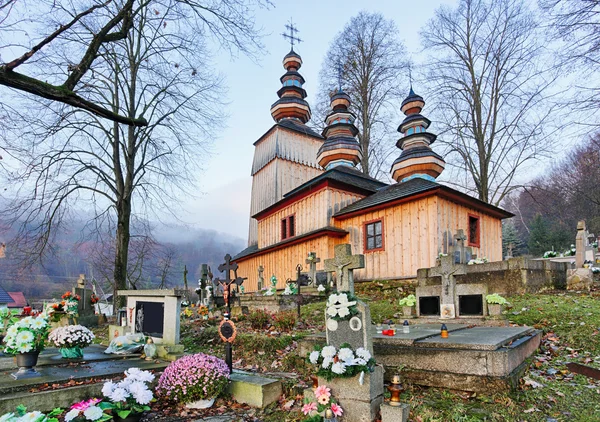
column 340, row 146
column 417, row 158
column 291, row 103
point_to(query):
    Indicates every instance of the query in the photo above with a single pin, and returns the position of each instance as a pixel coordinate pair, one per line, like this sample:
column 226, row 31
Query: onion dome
column 291, row 103
column 417, row 158
column 340, row 146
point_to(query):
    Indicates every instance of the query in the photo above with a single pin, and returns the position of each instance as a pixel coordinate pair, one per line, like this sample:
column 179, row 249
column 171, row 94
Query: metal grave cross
column 292, row 35
column 343, row 264
column 312, row 261
column 227, row 267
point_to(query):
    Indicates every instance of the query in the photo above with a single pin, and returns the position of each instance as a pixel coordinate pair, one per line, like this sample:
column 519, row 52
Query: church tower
column 285, row 156
column 417, row 158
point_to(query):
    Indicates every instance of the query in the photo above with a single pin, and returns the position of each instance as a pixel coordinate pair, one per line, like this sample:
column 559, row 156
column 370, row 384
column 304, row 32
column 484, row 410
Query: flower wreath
column 341, row 306
column 341, row 363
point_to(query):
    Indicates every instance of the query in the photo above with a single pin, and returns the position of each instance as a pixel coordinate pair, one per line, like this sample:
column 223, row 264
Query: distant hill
column 72, row 255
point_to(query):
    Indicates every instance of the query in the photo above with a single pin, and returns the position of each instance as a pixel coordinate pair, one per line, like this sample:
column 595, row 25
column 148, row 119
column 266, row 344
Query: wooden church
column 308, row 195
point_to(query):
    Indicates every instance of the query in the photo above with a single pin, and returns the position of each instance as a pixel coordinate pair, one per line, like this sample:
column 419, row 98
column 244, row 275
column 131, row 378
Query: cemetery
column 370, row 289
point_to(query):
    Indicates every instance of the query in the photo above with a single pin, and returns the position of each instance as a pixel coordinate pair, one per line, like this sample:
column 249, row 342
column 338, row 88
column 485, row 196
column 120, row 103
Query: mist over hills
column 163, row 259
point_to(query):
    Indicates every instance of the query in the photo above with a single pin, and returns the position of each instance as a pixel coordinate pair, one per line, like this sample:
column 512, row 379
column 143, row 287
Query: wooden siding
column 312, row 212
column 453, row 216
column 282, row 262
column 409, row 232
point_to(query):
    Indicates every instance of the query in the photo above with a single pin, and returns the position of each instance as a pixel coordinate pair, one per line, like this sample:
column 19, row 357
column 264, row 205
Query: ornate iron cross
column 292, row 35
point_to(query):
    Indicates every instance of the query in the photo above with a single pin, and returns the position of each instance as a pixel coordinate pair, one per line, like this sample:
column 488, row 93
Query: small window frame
column 288, row 227
column 366, row 236
column 475, row 242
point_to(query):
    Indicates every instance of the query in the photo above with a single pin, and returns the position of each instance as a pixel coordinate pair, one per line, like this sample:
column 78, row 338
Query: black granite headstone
column 150, row 318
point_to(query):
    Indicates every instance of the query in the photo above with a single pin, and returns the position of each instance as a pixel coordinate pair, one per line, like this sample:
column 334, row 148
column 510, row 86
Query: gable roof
column 416, row 186
column 345, row 177
column 4, row 296
column 19, row 300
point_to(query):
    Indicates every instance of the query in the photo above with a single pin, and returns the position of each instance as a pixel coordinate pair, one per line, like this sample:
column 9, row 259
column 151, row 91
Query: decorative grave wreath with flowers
column 341, row 306
column 343, row 363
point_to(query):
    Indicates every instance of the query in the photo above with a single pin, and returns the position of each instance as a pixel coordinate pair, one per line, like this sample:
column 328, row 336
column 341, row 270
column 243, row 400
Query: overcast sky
column 224, row 203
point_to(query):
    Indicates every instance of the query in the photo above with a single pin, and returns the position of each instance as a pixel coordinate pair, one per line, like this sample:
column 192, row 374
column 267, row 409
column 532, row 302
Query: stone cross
column 580, row 244
column 261, row 279
column 461, row 253
column 447, row 270
column 312, row 261
column 343, row 264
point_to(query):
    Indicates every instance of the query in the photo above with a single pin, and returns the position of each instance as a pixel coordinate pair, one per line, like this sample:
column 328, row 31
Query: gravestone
column 583, row 249
column 261, row 279
column 204, row 282
column 312, row 260
column 447, row 270
column 342, row 264
column 360, row 401
column 85, row 308
column 461, row 253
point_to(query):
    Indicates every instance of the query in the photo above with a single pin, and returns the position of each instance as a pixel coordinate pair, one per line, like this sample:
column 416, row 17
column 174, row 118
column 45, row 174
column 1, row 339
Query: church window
column 374, row 236
column 288, row 227
column 474, row 230
column 410, row 131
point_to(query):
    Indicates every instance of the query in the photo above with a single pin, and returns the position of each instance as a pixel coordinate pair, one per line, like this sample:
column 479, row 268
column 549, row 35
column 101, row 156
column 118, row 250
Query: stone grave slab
column 477, row 338
column 417, row 332
column 254, row 390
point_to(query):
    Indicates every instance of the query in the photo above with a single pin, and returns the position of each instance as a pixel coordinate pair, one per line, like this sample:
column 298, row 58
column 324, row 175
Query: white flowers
column 363, row 353
column 346, row 355
column 26, row 335
column 321, row 288
column 314, row 357
column 338, row 368
column 328, row 352
column 71, row 414
column 134, row 385
column 343, row 362
column 93, row 413
column 339, row 305
column 71, row 336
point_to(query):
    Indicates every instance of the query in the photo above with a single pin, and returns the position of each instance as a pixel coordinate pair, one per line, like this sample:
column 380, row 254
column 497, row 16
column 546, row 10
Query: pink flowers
column 324, row 402
column 83, row 405
column 309, row 407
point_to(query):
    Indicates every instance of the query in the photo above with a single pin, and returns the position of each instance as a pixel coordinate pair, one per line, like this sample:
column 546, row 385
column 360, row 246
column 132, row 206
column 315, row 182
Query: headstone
column 462, row 254
column 342, row 264
column 312, row 260
column 261, row 279
column 583, row 251
column 85, row 308
column 447, row 270
column 204, row 282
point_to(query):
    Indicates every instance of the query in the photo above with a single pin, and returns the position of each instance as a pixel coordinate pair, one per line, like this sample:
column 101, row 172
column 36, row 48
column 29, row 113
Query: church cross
column 292, row 35
column 342, row 264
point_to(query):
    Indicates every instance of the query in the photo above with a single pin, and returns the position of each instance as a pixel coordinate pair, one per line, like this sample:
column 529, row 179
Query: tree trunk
column 122, row 250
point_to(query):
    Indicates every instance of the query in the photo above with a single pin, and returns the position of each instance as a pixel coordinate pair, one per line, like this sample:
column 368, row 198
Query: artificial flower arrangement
column 476, row 261
column 88, row 410
column 271, row 291
column 315, row 411
column 71, row 336
column 131, row 395
column 290, row 289
column 187, row 312
column 495, row 299
column 7, row 317
column 22, row 415
column 341, row 306
column 550, row 254
column 94, row 299
column 27, row 335
column 409, row 300
column 193, row 377
column 321, row 288
column 342, row 363
column 203, row 310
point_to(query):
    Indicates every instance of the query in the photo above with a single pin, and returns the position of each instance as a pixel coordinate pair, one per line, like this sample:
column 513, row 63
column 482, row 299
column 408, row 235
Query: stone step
column 254, row 390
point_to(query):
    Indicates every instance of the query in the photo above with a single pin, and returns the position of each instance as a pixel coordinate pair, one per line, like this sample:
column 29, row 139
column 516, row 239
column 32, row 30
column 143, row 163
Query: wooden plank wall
column 283, row 262
column 453, row 216
column 409, row 239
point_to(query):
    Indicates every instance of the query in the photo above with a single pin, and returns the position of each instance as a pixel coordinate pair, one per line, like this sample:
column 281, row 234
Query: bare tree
column 489, row 85
column 372, row 61
column 577, row 23
column 121, row 171
column 85, row 29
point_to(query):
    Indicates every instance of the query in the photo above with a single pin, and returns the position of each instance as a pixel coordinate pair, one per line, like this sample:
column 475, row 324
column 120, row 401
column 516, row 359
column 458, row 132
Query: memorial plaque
column 429, row 306
column 470, row 305
column 150, row 318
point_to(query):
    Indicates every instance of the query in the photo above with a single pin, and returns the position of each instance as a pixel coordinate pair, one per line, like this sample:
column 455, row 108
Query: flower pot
column 494, row 309
column 407, row 311
column 26, row 363
column 133, row 417
column 71, row 352
column 201, row 404
column 315, row 381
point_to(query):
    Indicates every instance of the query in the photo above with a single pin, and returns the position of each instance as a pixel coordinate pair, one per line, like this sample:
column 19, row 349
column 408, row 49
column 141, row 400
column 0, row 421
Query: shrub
column 409, row 300
column 193, row 377
column 259, row 318
column 284, row 321
column 495, row 299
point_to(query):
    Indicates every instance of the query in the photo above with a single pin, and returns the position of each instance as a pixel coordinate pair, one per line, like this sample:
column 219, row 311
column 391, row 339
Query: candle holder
column 393, row 328
column 379, row 328
column 315, row 381
column 444, row 331
column 395, row 389
column 405, row 327
column 329, row 416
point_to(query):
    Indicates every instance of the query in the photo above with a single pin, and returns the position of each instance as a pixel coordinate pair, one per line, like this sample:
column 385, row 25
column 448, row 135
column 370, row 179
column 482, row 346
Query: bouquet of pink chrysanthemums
column 315, row 411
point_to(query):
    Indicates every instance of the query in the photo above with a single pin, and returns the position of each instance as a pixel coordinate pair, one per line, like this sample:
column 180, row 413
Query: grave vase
column 26, row 363
column 494, row 309
column 71, row 352
column 201, row 404
column 407, row 311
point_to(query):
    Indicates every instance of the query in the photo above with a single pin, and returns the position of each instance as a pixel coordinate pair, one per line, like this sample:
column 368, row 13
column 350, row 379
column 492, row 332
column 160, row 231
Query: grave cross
column 261, row 279
column 227, row 267
column 447, row 270
column 312, row 261
column 460, row 251
column 343, row 264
